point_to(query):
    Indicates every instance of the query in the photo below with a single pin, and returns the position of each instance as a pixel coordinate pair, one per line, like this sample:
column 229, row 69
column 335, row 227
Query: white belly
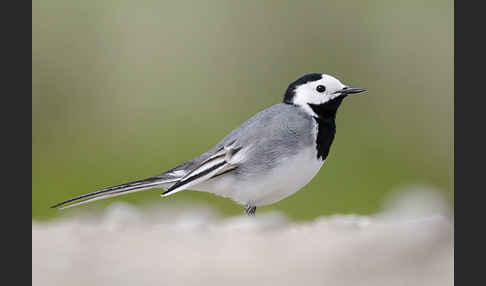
column 292, row 174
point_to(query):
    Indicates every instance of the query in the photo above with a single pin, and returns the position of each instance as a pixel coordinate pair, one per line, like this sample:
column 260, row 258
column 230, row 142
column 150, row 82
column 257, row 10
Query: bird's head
column 319, row 94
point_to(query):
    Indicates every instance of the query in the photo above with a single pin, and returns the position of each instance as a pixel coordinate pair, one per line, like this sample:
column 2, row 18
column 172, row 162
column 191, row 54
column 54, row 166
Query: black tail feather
column 120, row 188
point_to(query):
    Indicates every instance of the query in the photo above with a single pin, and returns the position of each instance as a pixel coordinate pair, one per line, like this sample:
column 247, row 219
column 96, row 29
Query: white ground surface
column 409, row 243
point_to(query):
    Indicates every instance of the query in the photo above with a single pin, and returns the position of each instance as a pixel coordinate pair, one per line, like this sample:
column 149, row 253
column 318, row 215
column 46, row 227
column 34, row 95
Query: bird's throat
column 326, row 110
column 326, row 126
column 326, row 129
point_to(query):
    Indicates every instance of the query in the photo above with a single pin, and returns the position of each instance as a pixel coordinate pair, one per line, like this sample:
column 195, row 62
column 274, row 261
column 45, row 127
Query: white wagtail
column 266, row 159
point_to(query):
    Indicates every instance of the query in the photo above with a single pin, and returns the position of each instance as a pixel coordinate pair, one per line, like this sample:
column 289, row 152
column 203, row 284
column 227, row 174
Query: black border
column 469, row 129
column 16, row 118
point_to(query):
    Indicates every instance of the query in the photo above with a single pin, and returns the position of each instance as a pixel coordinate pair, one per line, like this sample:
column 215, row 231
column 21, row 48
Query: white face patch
column 308, row 93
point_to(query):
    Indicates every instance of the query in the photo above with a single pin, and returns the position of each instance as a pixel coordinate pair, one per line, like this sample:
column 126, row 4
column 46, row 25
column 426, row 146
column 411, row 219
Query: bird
column 269, row 157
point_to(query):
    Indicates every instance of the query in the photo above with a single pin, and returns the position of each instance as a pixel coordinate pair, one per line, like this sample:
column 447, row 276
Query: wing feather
column 216, row 165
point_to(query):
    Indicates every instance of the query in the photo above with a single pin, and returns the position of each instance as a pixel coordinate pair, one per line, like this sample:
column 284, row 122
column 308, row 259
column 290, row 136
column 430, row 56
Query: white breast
column 292, row 174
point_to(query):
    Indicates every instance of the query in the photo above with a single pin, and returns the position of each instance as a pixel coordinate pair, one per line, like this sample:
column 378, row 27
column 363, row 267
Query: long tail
column 114, row 191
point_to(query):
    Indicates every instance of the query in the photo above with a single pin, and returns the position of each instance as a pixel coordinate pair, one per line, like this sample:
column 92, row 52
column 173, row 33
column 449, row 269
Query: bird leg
column 250, row 210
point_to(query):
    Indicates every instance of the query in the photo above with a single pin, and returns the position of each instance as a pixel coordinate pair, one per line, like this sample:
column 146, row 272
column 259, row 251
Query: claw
column 250, row 210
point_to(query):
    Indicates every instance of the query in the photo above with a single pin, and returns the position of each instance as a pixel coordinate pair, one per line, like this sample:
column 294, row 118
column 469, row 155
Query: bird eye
column 320, row 88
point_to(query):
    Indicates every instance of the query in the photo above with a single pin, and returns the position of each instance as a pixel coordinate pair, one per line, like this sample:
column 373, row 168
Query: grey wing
column 219, row 160
column 222, row 161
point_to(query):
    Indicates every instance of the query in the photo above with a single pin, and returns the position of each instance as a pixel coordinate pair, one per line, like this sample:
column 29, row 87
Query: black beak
column 348, row 90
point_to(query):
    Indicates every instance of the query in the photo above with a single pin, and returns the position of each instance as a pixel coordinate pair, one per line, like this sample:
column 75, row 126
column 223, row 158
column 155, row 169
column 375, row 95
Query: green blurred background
column 123, row 90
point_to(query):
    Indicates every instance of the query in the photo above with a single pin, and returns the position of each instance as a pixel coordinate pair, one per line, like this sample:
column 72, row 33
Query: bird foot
column 250, row 210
